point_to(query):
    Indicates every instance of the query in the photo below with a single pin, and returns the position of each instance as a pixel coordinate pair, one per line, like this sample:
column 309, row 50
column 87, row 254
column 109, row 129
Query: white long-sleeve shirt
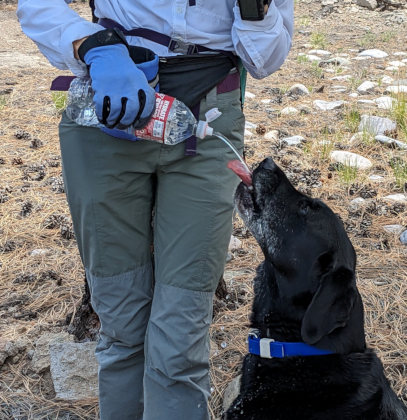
column 216, row 24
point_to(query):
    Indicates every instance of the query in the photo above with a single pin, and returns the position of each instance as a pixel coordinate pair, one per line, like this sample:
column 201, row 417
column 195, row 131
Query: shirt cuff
column 265, row 25
column 73, row 32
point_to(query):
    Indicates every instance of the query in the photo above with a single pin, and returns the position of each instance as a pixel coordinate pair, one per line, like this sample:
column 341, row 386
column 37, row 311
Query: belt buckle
column 177, row 45
column 254, row 333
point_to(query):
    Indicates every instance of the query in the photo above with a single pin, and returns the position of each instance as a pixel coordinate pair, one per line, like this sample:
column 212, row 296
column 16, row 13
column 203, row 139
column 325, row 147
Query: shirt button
column 179, row 10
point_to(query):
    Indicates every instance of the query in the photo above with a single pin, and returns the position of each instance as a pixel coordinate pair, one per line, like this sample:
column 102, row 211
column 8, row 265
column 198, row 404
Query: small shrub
column 399, row 111
column 318, row 40
column 352, row 119
column 325, row 150
column 302, row 59
column 368, row 41
column 347, row 173
column 59, row 99
column 400, row 171
column 304, row 21
column 3, row 102
column 317, row 71
column 367, row 137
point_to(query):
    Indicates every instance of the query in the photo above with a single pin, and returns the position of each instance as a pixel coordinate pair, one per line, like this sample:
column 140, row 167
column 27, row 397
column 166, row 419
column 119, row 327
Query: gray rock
column 356, row 138
column 403, row 238
column 351, row 159
column 366, row 87
column 335, row 61
column 376, row 125
column 376, row 178
column 289, row 110
column 234, row 244
column 366, row 102
column 396, row 64
column 293, row 140
column 396, row 89
column 370, row 4
column 231, row 392
column 298, row 89
column 41, row 359
column 374, row 53
column 400, row 198
column 338, row 89
column 387, row 80
column 271, row 135
column 39, row 252
column 74, row 370
column 384, row 102
column 357, row 203
column 7, row 349
column 395, row 229
column 342, row 77
column 249, row 125
column 391, row 142
column 320, row 52
column 310, row 57
column 328, row 106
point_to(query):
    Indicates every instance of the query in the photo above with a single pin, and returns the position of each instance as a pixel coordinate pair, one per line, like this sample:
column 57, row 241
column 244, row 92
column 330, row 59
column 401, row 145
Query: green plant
column 367, row 137
column 368, row 40
column 318, row 40
column 302, row 59
column 59, row 99
column 3, row 101
column 338, row 70
column 400, row 172
column 354, row 82
column 316, row 71
column 399, row 111
column 304, row 21
column 387, row 36
column 352, row 119
column 325, row 150
column 347, row 173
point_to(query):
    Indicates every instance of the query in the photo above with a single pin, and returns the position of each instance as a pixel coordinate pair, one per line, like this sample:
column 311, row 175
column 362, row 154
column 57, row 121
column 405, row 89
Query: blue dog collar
column 268, row 348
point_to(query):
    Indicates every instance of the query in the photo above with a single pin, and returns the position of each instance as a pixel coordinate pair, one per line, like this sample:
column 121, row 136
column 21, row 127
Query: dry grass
column 38, row 292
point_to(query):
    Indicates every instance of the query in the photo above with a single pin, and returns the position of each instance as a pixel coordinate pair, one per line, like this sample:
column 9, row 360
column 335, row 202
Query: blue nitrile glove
column 122, row 96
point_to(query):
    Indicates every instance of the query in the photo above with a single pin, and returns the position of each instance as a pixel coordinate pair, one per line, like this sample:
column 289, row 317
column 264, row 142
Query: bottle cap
column 212, row 114
column 203, row 130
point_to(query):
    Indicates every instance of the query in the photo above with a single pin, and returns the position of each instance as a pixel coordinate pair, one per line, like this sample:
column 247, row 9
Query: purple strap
column 62, row 82
column 154, row 36
column 174, row 45
column 231, row 82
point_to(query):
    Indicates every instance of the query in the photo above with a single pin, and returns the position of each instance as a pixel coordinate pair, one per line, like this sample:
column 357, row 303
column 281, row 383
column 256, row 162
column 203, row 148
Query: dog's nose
column 269, row 164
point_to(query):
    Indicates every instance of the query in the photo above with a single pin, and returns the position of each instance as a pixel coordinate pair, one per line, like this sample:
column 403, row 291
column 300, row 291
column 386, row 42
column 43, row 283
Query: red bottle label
column 155, row 129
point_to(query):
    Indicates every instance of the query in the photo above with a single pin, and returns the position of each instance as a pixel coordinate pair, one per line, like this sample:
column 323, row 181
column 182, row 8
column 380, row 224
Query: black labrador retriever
column 306, row 302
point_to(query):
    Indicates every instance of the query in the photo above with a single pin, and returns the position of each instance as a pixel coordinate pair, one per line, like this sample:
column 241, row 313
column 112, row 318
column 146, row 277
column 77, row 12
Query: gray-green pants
column 153, row 350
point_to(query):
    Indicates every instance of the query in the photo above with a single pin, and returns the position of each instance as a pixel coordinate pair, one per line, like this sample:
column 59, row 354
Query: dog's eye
column 303, row 207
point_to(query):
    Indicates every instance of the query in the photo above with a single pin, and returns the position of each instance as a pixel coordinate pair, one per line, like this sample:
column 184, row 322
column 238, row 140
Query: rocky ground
column 334, row 117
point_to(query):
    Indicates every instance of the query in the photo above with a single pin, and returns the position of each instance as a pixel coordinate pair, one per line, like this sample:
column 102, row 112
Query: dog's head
column 309, row 259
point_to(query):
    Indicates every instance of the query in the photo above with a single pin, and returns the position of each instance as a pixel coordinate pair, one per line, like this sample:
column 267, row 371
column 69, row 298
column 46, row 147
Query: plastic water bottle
column 171, row 123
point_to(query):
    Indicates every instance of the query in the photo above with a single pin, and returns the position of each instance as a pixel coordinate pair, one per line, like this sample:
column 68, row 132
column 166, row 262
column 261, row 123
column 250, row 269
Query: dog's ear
column 331, row 305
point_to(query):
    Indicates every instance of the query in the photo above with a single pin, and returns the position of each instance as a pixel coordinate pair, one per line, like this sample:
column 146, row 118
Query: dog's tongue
column 241, row 170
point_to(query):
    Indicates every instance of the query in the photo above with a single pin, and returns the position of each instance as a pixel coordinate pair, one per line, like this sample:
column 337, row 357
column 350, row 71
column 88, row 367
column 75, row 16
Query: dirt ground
column 41, row 276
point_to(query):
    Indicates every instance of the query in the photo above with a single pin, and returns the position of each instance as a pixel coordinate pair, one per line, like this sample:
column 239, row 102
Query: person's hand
column 122, row 96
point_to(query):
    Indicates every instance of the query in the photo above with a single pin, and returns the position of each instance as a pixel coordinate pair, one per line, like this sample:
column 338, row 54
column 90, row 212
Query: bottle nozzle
column 203, row 130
